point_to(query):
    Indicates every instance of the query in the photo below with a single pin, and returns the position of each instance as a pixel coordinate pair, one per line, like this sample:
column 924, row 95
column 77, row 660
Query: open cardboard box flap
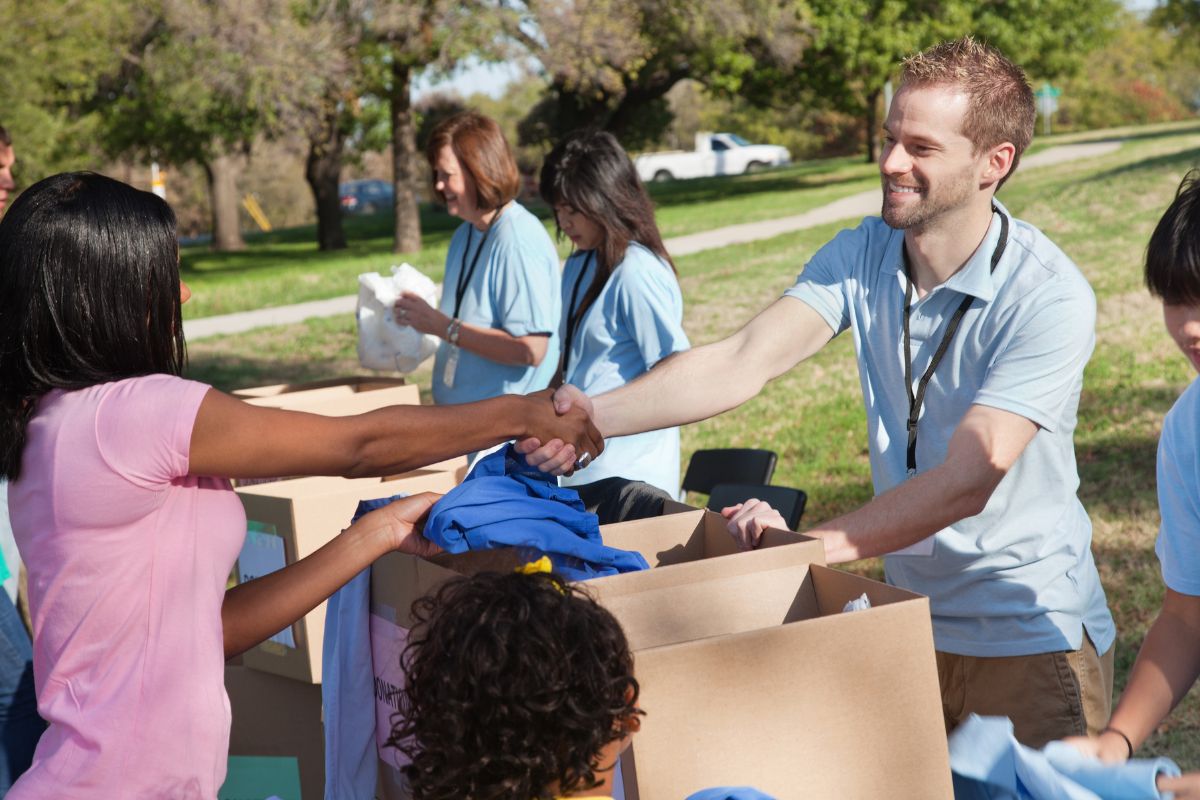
column 330, row 387
column 306, row 513
column 762, row 679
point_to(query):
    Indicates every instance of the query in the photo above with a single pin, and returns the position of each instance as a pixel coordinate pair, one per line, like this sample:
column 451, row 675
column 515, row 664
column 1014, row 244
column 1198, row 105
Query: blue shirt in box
column 1178, row 545
column 514, row 288
column 635, row 322
column 1018, row 578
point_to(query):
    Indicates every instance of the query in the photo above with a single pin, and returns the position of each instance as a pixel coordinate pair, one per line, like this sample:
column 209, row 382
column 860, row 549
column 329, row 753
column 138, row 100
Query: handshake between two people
column 746, row 521
column 574, row 443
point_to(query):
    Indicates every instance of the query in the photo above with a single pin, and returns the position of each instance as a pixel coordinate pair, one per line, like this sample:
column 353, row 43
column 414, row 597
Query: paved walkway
column 852, row 207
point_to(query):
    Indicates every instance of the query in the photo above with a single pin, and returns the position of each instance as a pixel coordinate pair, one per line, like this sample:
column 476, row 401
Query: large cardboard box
column 331, row 387
column 687, row 547
column 337, row 402
column 763, row 679
column 287, row 521
column 342, row 398
column 277, row 739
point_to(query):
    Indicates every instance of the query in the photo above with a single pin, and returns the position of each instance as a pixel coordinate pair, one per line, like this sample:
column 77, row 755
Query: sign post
column 1047, row 98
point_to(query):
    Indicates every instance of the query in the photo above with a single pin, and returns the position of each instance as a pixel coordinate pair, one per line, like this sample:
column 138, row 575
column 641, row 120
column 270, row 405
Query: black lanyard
column 464, row 273
column 572, row 318
column 915, row 401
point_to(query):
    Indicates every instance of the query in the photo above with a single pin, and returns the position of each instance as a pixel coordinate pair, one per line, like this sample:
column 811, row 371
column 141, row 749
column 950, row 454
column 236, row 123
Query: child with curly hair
column 518, row 686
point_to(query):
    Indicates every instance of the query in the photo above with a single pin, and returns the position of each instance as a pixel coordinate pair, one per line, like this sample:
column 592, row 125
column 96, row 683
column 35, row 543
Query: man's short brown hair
column 5, row 139
column 481, row 149
column 1000, row 105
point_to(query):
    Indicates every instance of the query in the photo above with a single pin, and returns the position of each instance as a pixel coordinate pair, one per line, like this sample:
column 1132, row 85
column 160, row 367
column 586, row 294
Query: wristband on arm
column 1128, row 743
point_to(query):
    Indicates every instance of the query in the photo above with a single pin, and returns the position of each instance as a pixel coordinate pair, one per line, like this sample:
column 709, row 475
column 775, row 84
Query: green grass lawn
column 1100, row 212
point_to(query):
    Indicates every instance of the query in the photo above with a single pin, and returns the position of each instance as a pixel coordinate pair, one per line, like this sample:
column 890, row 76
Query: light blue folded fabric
column 1132, row 780
column 988, row 763
column 348, row 684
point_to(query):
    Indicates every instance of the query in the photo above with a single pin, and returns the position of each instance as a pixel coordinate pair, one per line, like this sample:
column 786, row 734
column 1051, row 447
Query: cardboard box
column 688, row 547
column 344, row 398
column 338, row 402
column 287, row 521
column 331, row 387
column 761, row 679
column 277, row 740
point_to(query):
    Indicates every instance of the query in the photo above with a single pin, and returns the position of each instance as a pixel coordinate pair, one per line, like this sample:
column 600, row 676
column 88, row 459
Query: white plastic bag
column 383, row 343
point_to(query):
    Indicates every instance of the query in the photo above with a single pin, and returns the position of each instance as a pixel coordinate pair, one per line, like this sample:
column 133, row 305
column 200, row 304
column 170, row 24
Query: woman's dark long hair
column 89, row 293
column 589, row 172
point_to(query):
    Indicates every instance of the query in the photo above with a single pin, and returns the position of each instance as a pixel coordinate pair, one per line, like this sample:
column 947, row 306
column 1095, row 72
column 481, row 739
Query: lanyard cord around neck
column 915, row 401
column 464, row 273
column 574, row 314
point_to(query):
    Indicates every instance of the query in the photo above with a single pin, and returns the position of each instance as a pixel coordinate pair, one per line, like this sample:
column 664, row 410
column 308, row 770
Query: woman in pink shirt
column 120, row 501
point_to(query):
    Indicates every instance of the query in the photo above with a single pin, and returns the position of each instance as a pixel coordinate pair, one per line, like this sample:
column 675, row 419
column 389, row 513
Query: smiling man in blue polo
column 971, row 330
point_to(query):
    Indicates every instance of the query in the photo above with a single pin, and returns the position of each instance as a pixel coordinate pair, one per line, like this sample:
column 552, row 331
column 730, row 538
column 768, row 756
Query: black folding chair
column 787, row 501
column 707, row 468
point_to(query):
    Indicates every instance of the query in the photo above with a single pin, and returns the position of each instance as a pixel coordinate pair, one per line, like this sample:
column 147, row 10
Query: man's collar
column 975, row 277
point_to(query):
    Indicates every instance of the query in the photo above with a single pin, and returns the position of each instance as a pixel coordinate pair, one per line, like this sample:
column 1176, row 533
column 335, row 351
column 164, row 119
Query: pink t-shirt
column 128, row 556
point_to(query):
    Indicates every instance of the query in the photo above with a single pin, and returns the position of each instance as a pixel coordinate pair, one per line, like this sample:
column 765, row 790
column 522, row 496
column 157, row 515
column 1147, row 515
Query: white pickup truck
column 715, row 154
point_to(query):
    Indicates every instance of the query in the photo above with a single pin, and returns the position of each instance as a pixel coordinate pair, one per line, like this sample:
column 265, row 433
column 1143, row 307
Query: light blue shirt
column 514, row 288
column 635, row 322
column 1018, row 578
column 1178, row 546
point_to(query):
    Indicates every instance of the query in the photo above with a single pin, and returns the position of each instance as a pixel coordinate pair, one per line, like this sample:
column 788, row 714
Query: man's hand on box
column 747, row 521
column 562, row 440
column 401, row 523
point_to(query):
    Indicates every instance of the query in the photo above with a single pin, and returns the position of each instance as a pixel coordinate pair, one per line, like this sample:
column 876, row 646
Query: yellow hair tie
column 533, row 567
column 543, row 564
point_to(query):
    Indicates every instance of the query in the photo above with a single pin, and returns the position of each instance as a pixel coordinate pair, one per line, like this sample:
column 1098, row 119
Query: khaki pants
column 1047, row 696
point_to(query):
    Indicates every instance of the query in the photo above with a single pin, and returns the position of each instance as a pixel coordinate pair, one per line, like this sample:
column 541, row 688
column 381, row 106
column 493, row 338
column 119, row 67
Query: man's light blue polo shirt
column 1018, row 578
column 1178, row 545
column 635, row 322
column 514, row 288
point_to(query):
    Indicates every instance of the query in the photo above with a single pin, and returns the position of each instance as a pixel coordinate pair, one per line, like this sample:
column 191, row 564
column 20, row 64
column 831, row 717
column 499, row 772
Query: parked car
column 366, row 196
column 715, row 154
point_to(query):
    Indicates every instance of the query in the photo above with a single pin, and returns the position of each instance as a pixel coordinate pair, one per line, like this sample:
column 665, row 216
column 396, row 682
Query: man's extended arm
column 696, row 384
column 983, row 447
column 706, row 381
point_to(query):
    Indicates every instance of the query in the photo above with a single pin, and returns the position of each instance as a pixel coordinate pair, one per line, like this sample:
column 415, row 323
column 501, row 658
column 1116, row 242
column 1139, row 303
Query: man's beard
column 920, row 215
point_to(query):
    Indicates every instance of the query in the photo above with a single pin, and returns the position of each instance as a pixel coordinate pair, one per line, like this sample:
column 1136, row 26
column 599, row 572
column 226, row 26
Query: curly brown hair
column 515, row 683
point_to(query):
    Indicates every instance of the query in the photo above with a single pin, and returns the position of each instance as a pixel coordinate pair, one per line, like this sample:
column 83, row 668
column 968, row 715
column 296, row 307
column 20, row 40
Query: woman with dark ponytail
column 622, row 306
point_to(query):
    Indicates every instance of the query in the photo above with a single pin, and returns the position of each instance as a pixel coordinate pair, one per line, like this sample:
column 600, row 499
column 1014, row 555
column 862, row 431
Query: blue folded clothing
column 504, row 502
column 988, row 762
column 730, row 793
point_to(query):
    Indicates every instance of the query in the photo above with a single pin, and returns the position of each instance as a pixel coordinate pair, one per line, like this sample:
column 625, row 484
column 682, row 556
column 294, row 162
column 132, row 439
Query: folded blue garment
column 730, row 793
column 989, row 764
column 504, row 502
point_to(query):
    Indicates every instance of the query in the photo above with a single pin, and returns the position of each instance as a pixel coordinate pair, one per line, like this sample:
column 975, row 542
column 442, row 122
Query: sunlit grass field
column 1100, row 211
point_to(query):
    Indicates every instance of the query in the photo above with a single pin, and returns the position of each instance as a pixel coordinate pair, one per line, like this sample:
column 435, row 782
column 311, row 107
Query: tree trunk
column 222, row 171
column 872, row 122
column 404, row 151
column 323, row 171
